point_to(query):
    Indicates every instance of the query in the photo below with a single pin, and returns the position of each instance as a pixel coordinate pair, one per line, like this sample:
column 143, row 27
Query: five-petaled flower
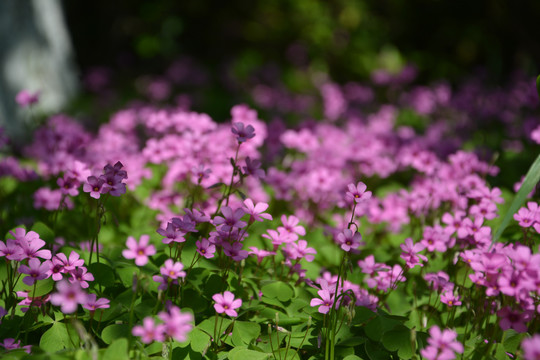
column 226, row 303
column 139, row 251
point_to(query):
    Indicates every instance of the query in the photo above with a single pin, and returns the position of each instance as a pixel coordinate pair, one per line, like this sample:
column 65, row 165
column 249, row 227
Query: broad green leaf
column 45, row 232
column 245, row 332
column 115, row 331
column 117, row 350
column 103, row 274
column 512, row 340
column 378, row 326
column 530, row 181
column 398, row 339
column 59, row 337
column 43, row 287
column 279, row 290
column 245, row 354
column 352, row 357
column 199, row 340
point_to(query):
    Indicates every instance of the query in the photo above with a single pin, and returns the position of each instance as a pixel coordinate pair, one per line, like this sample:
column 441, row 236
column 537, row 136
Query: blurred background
column 220, row 53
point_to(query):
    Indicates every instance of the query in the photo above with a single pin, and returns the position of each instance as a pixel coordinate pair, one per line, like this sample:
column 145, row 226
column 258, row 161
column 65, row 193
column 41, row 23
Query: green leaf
column 352, row 357
column 117, row 350
column 538, row 85
column 512, row 340
column 199, row 340
column 115, row 331
column 245, row 354
column 59, row 337
column 103, row 274
column 43, row 287
column 530, row 181
column 45, row 232
column 279, row 290
column 378, row 326
column 245, row 332
column 398, row 339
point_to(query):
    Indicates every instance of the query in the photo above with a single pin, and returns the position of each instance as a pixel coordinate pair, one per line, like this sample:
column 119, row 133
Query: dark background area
column 445, row 39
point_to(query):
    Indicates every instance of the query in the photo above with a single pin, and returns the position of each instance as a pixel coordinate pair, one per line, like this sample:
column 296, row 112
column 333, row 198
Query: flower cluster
column 111, row 182
column 175, row 324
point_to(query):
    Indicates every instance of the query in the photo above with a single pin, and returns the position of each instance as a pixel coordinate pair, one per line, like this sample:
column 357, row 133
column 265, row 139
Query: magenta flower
column 256, row 212
column 68, row 296
column 260, row 253
column 139, row 251
column 149, row 331
column 357, row 193
column 31, row 244
column 242, row 133
column 511, row 319
column 11, row 250
column 226, row 303
column 291, row 227
column 92, row 303
column 35, row 271
column 441, row 345
column 300, row 250
column 253, row 167
column 176, row 324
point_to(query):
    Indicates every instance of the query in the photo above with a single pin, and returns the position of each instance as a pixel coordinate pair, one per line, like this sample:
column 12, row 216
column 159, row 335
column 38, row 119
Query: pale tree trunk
column 35, row 55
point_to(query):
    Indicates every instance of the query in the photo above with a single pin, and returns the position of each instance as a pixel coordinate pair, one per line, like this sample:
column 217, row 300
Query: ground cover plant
column 386, row 230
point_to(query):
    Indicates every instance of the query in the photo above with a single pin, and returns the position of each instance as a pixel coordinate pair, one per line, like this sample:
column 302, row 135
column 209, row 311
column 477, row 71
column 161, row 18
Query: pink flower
column 242, row 133
column 25, row 98
column 256, row 212
column 291, row 228
column 326, row 301
column 149, row 331
column 68, row 296
column 93, row 304
column 357, row 193
column 172, row 269
column 410, row 254
column 226, row 303
column 235, row 251
column 448, row 298
column 441, row 345
column 139, row 251
column 260, row 253
column 176, row 324
column 531, row 347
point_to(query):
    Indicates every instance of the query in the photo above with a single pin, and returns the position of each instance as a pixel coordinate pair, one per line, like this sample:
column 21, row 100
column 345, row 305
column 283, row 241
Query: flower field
column 401, row 223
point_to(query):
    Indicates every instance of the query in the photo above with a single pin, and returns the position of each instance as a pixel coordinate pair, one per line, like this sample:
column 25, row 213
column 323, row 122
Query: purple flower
column 81, row 276
column 11, row 250
column 94, row 186
column 448, row 298
column 205, row 248
column 68, row 296
column 230, row 219
column 226, row 303
column 349, row 240
column 171, row 234
column 139, row 251
column 35, row 271
column 235, row 251
column 253, row 167
column 31, row 244
column 242, row 133
column 260, row 253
